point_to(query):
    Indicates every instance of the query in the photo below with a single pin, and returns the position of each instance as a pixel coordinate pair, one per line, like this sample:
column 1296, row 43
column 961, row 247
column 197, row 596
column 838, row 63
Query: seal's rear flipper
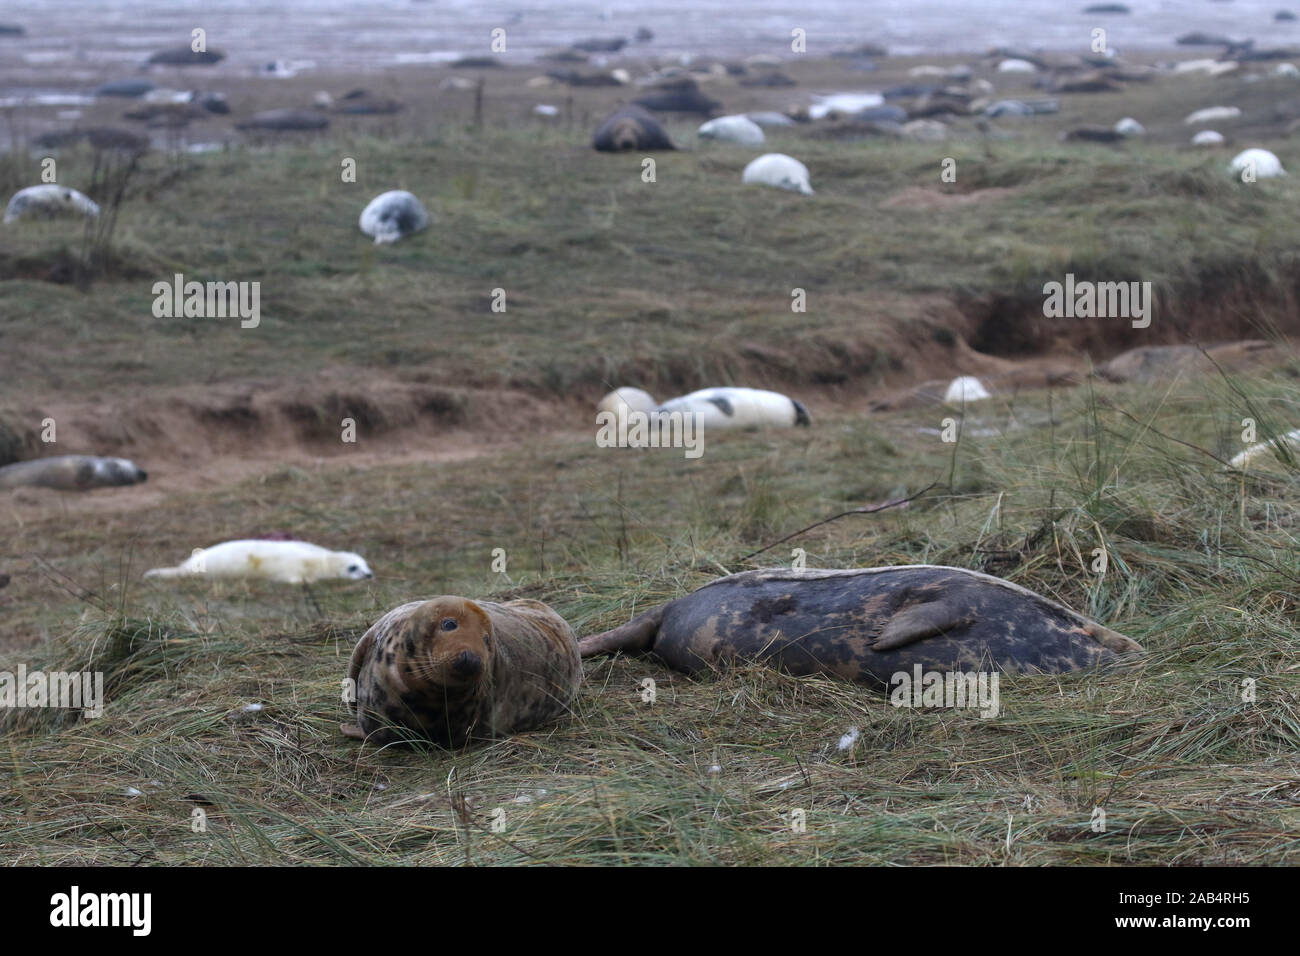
column 353, row 731
column 1114, row 640
column 918, row 623
column 637, row 634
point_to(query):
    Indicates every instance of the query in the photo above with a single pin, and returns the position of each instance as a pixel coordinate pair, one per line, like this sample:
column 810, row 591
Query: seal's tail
column 636, row 635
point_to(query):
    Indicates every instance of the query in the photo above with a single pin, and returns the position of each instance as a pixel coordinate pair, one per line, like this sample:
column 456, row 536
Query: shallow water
column 71, row 41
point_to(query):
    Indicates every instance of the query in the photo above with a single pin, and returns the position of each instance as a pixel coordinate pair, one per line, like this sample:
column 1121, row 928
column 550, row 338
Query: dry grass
column 611, row 280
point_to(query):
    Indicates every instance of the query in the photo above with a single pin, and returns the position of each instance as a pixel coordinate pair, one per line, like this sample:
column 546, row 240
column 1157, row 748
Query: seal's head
column 120, row 471
column 627, row 133
column 448, row 642
column 352, row 566
column 623, row 400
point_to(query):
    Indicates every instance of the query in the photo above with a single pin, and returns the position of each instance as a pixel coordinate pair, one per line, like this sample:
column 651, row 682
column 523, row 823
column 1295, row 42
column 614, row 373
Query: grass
column 667, row 285
column 1201, row 572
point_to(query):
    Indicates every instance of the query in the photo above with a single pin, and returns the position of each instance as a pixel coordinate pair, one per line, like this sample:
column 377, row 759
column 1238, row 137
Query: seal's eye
column 449, row 624
column 352, row 567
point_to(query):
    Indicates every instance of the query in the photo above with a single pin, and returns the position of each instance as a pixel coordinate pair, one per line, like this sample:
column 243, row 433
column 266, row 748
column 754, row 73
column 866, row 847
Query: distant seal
column 286, row 120
column 452, row 670
column 865, row 625
column 393, row 215
column 723, row 407
column 630, row 128
column 965, row 388
column 1263, row 163
column 72, row 473
column 1158, row 363
column 130, row 89
column 733, row 129
column 291, row 562
column 48, row 201
column 184, row 56
column 678, row 95
column 779, row 170
column 99, row 137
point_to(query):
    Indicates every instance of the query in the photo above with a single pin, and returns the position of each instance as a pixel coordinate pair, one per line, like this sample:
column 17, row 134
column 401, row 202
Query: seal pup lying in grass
column 292, row 562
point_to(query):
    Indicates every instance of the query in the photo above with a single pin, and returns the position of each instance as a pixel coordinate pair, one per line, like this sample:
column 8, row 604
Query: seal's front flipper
column 637, row 634
column 353, row 731
column 919, row 622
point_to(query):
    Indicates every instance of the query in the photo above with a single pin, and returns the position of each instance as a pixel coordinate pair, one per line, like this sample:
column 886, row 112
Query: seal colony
column 452, row 670
column 865, row 625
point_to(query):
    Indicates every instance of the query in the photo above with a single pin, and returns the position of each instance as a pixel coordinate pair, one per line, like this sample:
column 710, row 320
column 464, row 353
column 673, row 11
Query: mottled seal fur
column 72, row 473
column 452, row 670
column 630, row 127
column 867, row 624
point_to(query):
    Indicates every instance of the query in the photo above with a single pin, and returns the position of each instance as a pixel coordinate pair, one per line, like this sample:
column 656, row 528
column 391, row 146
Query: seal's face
column 452, row 642
column 354, row 566
column 626, row 134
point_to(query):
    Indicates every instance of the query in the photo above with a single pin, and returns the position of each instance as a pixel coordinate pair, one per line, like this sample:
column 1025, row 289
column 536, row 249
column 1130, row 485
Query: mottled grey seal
column 866, row 624
column 630, row 127
column 72, row 473
column 452, row 670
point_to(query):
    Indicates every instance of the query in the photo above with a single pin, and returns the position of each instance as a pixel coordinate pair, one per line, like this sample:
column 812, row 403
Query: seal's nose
column 467, row 664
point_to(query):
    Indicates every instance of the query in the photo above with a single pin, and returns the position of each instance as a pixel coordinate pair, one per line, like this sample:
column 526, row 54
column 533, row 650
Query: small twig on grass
column 897, row 502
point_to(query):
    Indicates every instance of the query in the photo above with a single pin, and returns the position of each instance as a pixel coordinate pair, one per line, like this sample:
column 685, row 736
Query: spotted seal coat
column 453, row 670
column 866, row 624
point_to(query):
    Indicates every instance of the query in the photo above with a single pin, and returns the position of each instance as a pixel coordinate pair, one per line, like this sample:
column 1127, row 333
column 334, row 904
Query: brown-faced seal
column 630, row 127
column 72, row 473
column 866, row 625
column 452, row 670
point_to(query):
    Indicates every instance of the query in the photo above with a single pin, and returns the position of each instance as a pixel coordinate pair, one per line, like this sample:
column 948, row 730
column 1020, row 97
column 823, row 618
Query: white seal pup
column 624, row 400
column 733, row 129
column 49, row 200
column 293, row 562
column 779, row 170
column 1128, row 126
column 1210, row 114
column 965, row 388
column 1208, row 137
column 393, row 215
column 723, row 407
column 1291, row 441
column 72, row 473
column 1261, row 162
